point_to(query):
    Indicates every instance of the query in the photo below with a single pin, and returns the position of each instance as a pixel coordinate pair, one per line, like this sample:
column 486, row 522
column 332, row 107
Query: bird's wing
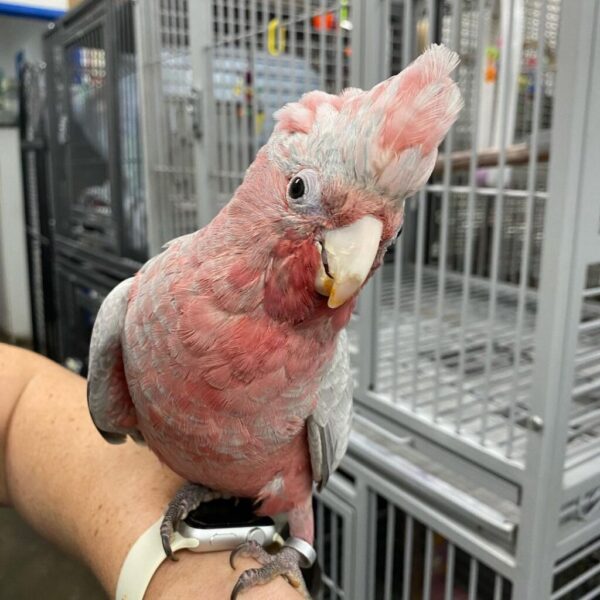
column 329, row 425
column 179, row 239
column 108, row 396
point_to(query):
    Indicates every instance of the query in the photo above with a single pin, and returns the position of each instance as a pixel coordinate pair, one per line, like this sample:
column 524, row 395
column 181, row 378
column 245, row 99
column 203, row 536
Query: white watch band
column 143, row 560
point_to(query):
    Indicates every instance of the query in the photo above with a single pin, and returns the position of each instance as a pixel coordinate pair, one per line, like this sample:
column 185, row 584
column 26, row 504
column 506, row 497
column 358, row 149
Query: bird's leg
column 287, row 561
column 188, row 498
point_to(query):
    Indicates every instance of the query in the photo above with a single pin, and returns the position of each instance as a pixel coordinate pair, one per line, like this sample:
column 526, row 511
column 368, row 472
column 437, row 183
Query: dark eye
column 297, row 188
column 304, row 192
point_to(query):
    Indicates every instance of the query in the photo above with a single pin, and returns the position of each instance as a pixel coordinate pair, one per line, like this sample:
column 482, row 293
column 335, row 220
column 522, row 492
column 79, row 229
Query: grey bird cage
column 474, row 466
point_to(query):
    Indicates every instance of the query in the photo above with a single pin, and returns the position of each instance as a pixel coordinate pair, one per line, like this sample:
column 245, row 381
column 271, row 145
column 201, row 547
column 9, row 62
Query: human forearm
column 92, row 498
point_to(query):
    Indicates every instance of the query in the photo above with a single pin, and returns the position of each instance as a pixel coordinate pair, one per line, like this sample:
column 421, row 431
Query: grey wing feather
column 108, row 396
column 179, row 239
column 329, row 425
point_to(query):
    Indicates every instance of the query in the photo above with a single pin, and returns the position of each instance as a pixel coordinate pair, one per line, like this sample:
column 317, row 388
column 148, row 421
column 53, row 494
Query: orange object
column 490, row 73
column 326, row 21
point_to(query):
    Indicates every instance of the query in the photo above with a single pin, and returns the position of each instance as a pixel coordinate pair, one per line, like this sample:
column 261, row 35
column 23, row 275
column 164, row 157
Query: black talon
column 233, row 554
column 237, row 589
column 166, row 544
column 166, row 529
column 188, row 498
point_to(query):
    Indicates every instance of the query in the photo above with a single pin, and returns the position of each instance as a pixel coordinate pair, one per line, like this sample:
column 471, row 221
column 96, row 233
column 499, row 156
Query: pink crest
column 385, row 137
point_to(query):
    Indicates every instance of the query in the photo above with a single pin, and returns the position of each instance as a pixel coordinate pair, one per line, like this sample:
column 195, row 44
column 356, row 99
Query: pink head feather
column 384, row 139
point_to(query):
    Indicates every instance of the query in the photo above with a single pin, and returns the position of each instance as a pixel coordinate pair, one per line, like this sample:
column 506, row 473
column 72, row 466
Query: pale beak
column 349, row 253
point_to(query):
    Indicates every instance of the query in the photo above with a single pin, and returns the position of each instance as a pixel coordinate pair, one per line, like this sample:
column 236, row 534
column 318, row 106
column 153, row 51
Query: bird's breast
column 220, row 396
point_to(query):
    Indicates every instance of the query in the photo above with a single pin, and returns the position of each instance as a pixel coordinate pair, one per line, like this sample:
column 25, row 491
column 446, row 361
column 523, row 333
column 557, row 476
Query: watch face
column 235, row 512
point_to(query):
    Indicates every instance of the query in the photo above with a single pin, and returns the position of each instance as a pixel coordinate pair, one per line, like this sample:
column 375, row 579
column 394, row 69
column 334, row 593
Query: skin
column 80, row 492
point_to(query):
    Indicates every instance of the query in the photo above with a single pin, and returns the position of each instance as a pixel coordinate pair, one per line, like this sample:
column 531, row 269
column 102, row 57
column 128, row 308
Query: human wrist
column 210, row 577
column 206, row 573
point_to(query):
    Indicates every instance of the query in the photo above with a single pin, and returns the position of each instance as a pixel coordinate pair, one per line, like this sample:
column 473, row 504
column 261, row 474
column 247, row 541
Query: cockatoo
column 226, row 353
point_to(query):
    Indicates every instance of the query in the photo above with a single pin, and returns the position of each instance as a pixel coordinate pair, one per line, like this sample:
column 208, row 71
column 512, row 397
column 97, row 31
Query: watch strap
column 143, row 560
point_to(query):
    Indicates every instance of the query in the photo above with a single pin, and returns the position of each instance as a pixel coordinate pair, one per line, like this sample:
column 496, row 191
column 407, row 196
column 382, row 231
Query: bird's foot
column 286, row 563
column 188, row 498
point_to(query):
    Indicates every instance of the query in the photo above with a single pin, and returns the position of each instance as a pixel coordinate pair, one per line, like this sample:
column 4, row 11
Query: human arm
column 87, row 496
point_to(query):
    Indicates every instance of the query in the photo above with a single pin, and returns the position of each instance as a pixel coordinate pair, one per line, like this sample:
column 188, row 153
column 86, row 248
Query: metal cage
column 478, row 339
column 473, row 469
column 223, row 85
column 98, row 184
column 96, row 168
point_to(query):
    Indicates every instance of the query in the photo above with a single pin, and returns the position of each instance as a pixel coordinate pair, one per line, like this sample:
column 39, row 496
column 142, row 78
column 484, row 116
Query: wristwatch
column 214, row 526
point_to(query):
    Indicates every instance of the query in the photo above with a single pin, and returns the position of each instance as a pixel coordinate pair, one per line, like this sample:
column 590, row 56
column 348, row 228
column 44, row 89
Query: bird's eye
column 304, row 192
column 296, row 188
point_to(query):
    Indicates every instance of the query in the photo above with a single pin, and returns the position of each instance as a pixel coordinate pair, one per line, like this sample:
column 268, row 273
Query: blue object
column 33, row 12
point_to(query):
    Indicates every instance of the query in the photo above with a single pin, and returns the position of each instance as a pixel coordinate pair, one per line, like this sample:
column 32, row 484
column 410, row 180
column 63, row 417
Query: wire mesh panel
column 91, row 208
column 264, row 55
column 167, row 100
column 98, row 190
column 456, row 302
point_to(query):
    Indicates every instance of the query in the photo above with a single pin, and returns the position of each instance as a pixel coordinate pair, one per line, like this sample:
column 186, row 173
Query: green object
column 492, row 52
column 344, row 11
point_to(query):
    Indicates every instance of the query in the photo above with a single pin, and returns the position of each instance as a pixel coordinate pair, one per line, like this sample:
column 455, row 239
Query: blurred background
column 474, row 465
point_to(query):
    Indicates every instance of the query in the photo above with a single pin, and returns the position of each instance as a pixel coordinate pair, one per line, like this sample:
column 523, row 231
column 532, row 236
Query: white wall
column 16, row 34
column 19, row 34
column 15, row 318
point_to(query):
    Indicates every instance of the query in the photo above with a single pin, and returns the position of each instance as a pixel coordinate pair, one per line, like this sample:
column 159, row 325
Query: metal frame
column 201, row 21
column 38, row 209
column 355, row 501
column 337, row 500
column 147, row 130
column 571, row 208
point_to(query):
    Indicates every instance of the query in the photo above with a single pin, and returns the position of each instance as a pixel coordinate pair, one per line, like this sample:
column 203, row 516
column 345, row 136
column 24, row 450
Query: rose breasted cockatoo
column 226, row 353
